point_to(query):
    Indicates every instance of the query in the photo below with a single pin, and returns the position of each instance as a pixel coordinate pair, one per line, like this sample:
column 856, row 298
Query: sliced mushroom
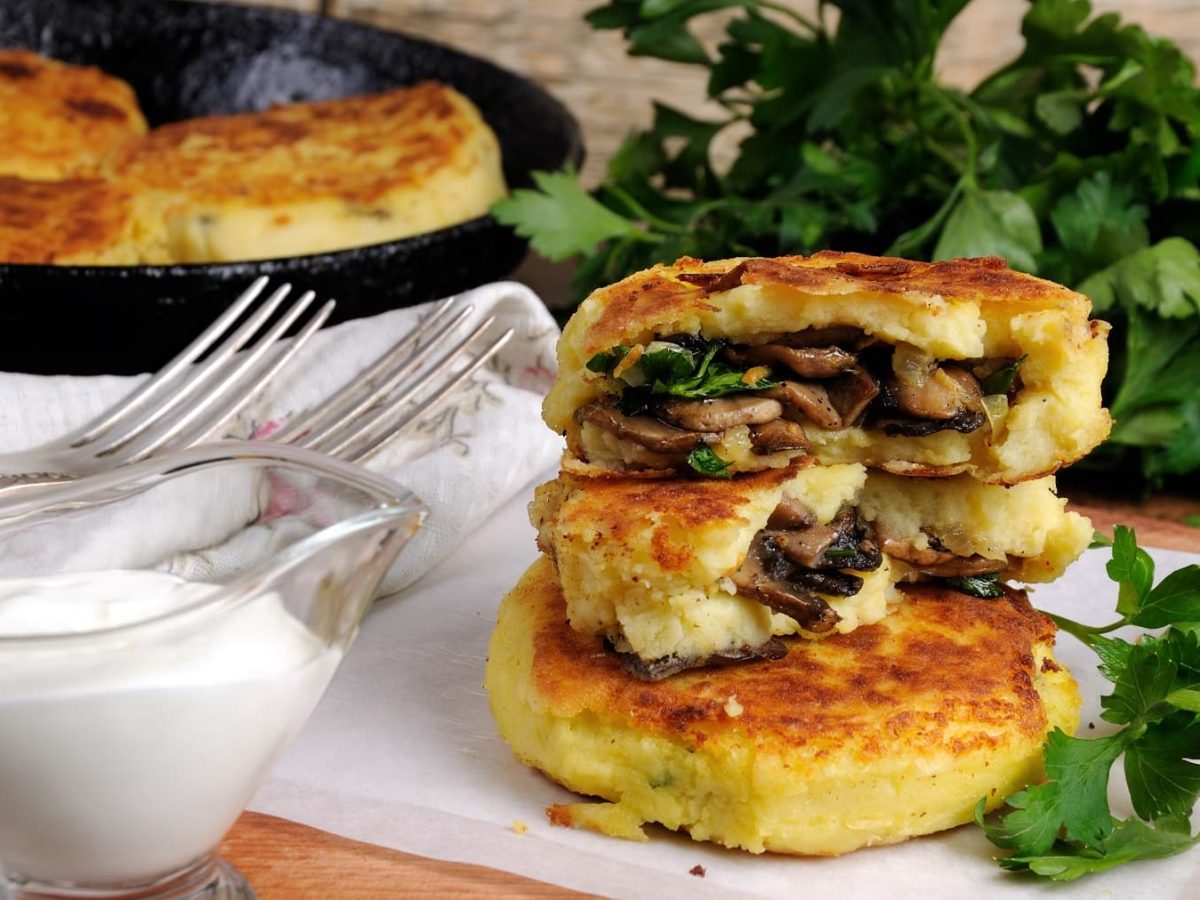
column 965, row 565
column 760, row 577
column 935, row 560
column 926, row 390
column 806, row 547
column 778, row 436
column 792, row 513
column 810, row 401
column 852, row 393
column 645, row 431
column 715, row 282
column 807, row 362
column 666, row 666
column 827, row 581
column 826, row 336
column 720, row 413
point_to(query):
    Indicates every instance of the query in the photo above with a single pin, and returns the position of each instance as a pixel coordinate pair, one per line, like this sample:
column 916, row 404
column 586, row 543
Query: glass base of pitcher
column 209, row 878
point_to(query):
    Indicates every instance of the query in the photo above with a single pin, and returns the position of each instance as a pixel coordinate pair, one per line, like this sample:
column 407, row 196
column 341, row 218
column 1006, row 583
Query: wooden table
column 283, row 859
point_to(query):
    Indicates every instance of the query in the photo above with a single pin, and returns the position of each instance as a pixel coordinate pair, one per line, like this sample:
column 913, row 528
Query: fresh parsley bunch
column 1063, row 829
column 1077, row 161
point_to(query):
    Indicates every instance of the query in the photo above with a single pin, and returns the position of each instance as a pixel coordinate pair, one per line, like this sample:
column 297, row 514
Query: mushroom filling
column 795, row 560
column 676, row 395
column 666, row 666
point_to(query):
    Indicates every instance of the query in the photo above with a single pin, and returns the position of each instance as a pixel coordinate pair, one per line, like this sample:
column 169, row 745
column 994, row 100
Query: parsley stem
column 946, row 100
column 1076, row 628
column 792, row 14
column 642, row 213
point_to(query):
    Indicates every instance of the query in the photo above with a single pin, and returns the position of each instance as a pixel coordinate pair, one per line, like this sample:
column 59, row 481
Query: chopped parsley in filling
column 678, row 395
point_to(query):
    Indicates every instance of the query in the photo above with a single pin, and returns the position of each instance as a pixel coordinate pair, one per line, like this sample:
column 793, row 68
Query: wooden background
column 610, row 92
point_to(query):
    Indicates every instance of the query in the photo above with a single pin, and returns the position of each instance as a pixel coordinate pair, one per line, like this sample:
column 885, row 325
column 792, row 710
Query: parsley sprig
column 673, row 370
column 1079, row 161
column 1064, row 829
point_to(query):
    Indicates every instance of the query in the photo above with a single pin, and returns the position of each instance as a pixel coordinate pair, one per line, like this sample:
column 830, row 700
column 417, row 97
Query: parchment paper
column 402, row 752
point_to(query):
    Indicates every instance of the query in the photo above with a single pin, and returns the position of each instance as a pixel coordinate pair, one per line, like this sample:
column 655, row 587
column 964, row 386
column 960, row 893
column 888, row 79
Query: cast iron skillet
column 191, row 59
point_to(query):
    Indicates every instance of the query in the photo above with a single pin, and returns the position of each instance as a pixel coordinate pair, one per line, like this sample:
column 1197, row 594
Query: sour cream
column 129, row 743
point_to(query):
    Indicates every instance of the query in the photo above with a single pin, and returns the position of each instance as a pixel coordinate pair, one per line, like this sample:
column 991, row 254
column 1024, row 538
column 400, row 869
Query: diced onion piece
column 995, row 407
column 630, row 360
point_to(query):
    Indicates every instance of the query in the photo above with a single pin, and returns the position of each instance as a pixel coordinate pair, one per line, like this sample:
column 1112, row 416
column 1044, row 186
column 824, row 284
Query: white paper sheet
column 402, row 752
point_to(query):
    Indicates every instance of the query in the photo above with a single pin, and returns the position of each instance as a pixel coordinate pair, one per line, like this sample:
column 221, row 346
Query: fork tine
column 359, row 395
column 334, row 408
column 390, row 430
column 241, row 380
column 336, row 442
column 201, row 376
column 147, row 389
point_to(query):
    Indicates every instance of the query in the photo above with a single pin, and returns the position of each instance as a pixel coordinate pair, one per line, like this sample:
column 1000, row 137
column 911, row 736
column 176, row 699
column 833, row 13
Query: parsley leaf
column 705, row 461
column 676, row 371
column 984, row 586
column 1001, row 381
column 998, row 223
column 1063, row 829
column 561, row 218
column 606, row 360
column 1129, row 841
column 1068, row 161
column 1132, row 569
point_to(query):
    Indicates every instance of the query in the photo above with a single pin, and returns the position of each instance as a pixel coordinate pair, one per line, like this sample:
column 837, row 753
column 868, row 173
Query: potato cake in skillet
column 59, row 120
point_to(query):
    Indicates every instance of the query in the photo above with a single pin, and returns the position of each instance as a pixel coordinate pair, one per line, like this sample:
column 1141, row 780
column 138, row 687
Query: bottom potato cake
column 894, row 730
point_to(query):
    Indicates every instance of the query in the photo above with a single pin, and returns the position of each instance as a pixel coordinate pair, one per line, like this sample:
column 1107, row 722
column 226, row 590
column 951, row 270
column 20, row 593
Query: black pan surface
column 191, row 59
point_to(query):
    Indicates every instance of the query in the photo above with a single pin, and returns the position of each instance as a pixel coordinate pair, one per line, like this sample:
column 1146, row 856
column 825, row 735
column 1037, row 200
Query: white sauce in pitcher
column 125, row 756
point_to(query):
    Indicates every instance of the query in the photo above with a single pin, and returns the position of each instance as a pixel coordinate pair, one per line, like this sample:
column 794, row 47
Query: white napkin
column 465, row 460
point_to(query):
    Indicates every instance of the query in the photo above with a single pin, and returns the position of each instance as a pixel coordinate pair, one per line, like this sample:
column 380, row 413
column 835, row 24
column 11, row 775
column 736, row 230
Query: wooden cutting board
column 285, row 860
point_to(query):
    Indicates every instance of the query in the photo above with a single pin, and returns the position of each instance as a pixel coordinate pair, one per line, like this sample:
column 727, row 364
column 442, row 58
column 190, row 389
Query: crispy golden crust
column 619, row 506
column 942, row 657
column 660, row 295
column 963, row 309
column 315, row 177
column 58, row 120
column 894, row 730
column 73, row 221
column 356, row 149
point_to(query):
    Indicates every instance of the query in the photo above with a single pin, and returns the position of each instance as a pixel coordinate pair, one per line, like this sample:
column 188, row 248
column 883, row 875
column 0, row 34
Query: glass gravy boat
column 165, row 632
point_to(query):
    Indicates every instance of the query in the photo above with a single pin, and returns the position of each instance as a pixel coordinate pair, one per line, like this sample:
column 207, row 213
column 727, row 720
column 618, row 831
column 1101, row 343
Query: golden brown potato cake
column 314, row 177
column 883, row 362
column 894, row 730
column 74, row 221
column 675, row 570
column 58, row 120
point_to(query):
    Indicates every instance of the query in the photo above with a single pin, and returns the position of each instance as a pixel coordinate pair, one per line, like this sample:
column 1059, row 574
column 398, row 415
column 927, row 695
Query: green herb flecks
column 705, row 461
column 1001, row 381
column 1064, row 829
column 606, row 360
column 986, row 587
column 668, row 369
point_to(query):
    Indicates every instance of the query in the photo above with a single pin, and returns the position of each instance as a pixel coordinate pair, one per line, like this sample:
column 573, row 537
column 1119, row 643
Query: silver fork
column 181, row 404
column 398, row 389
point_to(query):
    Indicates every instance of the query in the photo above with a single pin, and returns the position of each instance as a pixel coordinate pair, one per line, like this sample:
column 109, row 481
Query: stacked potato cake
column 84, row 183
column 773, row 608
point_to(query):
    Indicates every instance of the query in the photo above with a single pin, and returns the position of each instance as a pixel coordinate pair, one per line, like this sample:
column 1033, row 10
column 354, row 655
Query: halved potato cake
column 74, row 221
column 58, row 120
column 894, row 730
column 929, row 369
column 314, row 177
column 674, row 573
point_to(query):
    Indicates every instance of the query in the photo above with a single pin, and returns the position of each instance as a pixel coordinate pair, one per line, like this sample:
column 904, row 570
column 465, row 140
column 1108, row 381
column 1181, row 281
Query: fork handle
column 12, row 485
